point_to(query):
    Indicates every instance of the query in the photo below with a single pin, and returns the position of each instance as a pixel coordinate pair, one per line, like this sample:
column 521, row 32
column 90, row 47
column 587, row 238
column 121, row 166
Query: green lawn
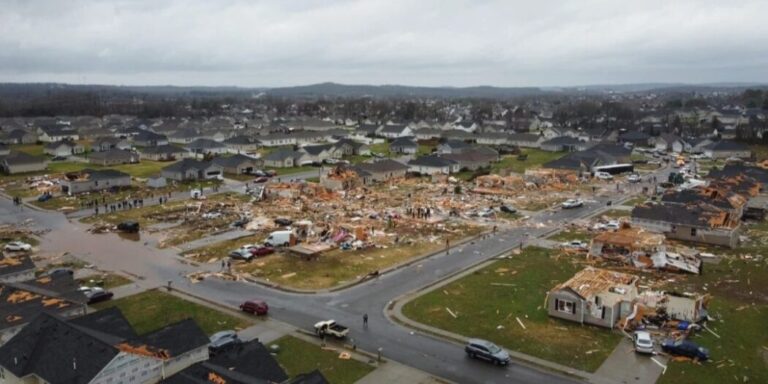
column 536, row 158
column 143, row 169
column 425, row 149
column 297, row 356
column 151, row 310
column 635, row 201
column 106, row 280
column 32, row 149
column 571, row 234
column 282, row 172
column 516, row 288
column 382, row 148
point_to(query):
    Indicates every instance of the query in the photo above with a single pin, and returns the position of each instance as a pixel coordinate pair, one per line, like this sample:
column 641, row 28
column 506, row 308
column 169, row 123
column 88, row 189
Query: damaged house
column 642, row 249
column 90, row 180
column 593, row 296
column 699, row 222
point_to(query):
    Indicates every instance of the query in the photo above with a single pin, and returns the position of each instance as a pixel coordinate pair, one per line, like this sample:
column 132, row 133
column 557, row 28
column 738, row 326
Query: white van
column 603, row 175
column 278, row 239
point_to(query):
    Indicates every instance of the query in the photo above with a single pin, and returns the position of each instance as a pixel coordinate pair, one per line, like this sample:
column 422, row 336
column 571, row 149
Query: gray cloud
column 426, row 42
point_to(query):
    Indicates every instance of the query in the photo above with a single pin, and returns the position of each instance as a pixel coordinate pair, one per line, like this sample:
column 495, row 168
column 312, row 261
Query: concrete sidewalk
column 623, row 365
column 212, row 239
column 393, row 372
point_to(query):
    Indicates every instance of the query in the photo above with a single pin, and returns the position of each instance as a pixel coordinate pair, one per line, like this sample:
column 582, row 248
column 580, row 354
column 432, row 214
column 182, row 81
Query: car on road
column 485, row 350
column 99, row 296
column 577, row 245
column 223, row 340
column 241, row 254
column 643, row 342
column 261, row 179
column 57, row 272
column 262, row 251
column 603, row 175
column 331, row 328
column 572, row 203
column 58, row 158
column 633, row 178
column 685, row 348
column 128, row 226
column 17, row 246
column 255, row 307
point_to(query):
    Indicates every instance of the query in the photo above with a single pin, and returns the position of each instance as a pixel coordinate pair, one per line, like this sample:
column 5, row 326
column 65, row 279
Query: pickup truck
column 330, row 328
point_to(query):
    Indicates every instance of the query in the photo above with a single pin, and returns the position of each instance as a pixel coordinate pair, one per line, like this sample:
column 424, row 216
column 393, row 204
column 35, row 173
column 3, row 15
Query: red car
column 262, row 251
column 255, row 307
column 262, row 179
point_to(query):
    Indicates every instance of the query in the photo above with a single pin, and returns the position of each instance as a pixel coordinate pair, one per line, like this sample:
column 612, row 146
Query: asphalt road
column 430, row 354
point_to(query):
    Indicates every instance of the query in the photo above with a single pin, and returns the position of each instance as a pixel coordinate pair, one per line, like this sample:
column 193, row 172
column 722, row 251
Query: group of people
column 419, row 213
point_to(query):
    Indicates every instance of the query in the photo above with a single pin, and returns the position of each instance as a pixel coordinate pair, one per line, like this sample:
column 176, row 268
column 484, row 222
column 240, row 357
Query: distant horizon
column 724, row 84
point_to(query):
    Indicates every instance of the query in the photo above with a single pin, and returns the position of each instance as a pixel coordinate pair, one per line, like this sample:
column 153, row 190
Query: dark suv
column 483, row 349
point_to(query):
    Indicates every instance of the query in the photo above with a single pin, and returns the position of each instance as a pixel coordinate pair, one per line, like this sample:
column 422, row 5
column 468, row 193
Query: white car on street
column 18, row 246
column 577, row 245
column 643, row 342
column 633, row 178
column 572, row 203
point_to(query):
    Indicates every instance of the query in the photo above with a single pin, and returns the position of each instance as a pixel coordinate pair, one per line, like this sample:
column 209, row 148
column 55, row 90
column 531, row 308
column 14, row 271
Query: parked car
column 59, row 158
column 99, row 296
column 18, row 246
column 271, row 173
column 483, row 349
column 128, row 226
column 242, row 254
column 255, row 307
column 44, row 197
column 259, row 173
column 223, row 340
column 603, row 175
column 643, row 342
column 572, row 203
column 609, row 226
column 575, row 245
column 281, row 221
column 261, row 179
column 633, row 178
column 61, row 272
column 262, row 251
column 240, row 223
column 507, row 209
column 685, row 348
column 331, row 328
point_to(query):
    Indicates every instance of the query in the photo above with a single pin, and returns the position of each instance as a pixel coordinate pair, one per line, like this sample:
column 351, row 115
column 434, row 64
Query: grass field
column 297, row 356
column 536, row 158
column 336, row 266
column 151, row 310
column 510, row 289
column 32, row 149
column 106, row 280
column 635, row 201
column 571, row 234
column 284, row 173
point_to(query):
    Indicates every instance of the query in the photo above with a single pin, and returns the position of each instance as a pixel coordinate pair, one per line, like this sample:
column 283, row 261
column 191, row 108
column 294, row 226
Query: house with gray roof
column 281, row 158
column 22, row 162
column 21, row 136
column 392, row 131
column 191, row 170
column 206, row 146
column 165, row 152
column 113, row 157
column 63, row 148
column 237, row 164
column 147, row 138
column 724, row 149
column 433, row 165
column 106, row 143
column 51, row 134
column 564, row 143
column 380, row 171
column 404, row 145
column 241, row 144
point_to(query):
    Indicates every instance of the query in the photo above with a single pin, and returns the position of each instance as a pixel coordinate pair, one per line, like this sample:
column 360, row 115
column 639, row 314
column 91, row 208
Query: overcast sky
column 413, row 42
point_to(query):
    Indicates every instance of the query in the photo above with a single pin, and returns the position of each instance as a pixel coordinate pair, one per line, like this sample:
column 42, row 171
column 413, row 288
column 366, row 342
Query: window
column 565, row 306
column 693, row 231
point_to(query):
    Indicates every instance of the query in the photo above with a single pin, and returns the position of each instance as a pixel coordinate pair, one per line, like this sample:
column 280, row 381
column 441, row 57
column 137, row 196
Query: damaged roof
column 719, row 197
column 701, row 215
column 590, row 281
column 169, row 341
column 15, row 264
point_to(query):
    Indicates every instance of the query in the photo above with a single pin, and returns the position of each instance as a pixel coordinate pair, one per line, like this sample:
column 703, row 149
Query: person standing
column 365, row 320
